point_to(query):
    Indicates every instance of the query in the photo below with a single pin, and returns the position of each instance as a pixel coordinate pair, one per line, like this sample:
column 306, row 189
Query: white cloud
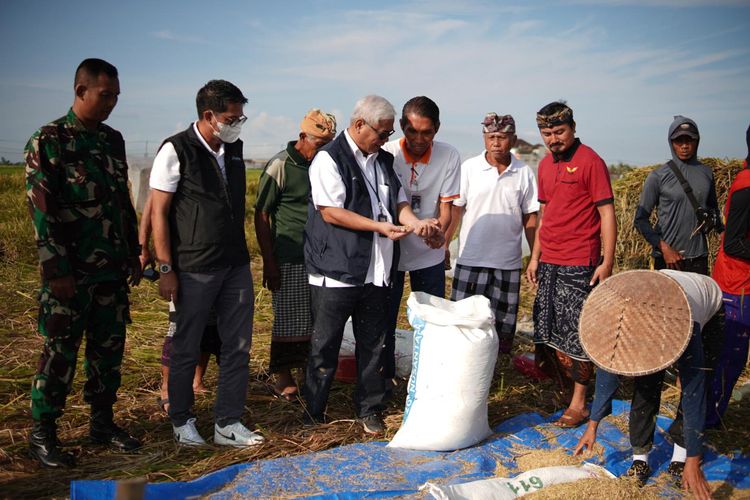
column 174, row 37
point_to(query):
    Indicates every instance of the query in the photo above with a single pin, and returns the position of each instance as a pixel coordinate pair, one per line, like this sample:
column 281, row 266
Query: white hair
column 372, row 109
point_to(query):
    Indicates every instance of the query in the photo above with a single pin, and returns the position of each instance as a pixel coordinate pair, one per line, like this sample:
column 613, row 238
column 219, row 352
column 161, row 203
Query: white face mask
column 228, row 133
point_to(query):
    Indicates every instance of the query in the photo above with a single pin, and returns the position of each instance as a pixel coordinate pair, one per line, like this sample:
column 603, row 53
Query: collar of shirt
column 74, row 122
column 567, row 155
column 512, row 167
column 295, row 155
column 358, row 154
column 425, row 158
column 217, row 154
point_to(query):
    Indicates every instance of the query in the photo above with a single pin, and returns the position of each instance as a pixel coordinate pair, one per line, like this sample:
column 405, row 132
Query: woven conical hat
column 636, row 323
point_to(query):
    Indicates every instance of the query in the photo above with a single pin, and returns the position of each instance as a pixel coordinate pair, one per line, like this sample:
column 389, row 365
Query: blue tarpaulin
column 370, row 470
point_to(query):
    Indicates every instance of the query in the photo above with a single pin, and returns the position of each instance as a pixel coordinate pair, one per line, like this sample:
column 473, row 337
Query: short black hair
column 92, row 68
column 216, row 94
column 422, row 106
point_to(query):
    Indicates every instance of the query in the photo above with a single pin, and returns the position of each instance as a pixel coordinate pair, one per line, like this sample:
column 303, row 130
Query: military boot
column 103, row 430
column 44, row 446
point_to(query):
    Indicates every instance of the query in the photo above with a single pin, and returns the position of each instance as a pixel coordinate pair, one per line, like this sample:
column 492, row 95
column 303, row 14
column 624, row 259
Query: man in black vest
column 355, row 207
column 198, row 214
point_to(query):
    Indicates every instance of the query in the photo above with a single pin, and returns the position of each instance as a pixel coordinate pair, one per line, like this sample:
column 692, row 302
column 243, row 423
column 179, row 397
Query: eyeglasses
column 236, row 121
column 382, row 135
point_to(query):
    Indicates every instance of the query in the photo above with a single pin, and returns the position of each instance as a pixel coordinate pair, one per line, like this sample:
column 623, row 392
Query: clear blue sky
column 625, row 66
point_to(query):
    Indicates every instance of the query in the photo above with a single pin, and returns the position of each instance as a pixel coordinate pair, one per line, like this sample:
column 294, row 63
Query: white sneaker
column 236, row 434
column 187, row 434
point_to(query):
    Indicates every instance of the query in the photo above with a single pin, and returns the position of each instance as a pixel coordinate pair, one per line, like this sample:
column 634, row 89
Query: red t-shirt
column 571, row 188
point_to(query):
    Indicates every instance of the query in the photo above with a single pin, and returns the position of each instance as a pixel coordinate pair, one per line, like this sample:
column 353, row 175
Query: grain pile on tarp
column 374, row 470
column 633, row 252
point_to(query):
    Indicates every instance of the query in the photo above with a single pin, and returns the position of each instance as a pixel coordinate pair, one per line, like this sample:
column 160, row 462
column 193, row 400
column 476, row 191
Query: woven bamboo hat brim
column 636, row 323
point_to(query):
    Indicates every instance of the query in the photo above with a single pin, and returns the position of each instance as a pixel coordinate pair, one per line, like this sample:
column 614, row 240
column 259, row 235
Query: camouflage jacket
column 77, row 189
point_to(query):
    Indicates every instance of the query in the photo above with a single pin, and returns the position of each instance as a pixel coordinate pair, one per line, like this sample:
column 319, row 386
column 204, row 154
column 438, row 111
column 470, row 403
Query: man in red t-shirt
column 576, row 224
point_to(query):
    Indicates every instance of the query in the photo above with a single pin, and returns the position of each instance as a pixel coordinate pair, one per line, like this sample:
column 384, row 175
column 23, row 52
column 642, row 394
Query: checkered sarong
column 501, row 287
column 292, row 321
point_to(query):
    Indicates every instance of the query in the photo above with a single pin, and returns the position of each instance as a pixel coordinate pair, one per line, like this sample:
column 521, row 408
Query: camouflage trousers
column 100, row 311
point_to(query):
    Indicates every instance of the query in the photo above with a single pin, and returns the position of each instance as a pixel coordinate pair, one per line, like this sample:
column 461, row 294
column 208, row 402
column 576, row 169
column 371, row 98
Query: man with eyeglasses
column 280, row 216
column 357, row 211
column 429, row 172
column 198, row 219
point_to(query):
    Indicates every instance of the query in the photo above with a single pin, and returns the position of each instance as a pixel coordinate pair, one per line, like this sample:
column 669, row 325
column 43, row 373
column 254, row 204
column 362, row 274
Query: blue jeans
column 429, row 280
column 687, row 428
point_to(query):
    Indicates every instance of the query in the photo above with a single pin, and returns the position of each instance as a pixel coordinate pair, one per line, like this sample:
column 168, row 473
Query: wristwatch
column 165, row 268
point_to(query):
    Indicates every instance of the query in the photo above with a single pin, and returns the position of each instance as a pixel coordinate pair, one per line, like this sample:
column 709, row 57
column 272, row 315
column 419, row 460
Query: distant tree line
column 618, row 170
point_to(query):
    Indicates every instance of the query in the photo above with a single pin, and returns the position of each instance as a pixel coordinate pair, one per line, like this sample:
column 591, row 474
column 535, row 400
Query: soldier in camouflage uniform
column 86, row 235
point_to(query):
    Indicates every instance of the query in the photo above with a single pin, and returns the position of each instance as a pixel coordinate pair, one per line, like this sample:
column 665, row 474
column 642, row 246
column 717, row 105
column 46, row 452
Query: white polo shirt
column 492, row 225
column 165, row 171
column 328, row 190
column 427, row 182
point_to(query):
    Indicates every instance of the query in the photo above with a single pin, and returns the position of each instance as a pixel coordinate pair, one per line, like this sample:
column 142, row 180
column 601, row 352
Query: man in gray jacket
column 678, row 238
column 679, row 242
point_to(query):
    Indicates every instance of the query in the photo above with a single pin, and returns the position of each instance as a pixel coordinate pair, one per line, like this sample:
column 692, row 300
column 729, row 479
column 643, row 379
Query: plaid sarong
column 292, row 321
column 501, row 287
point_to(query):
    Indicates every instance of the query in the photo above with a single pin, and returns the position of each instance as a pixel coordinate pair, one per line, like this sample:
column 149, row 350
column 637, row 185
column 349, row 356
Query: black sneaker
column 373, row 424
column 675, row 470
column 640, row 471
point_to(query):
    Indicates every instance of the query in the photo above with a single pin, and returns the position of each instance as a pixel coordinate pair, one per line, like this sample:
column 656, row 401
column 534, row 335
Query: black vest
column 338, row 252
column 207, row 215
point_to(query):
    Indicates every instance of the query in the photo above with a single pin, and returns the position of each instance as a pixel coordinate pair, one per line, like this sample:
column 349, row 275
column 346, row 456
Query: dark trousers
column 648, row 407
column 331, row 308
column 229, row 292
column 688, row 431
column 429, row 280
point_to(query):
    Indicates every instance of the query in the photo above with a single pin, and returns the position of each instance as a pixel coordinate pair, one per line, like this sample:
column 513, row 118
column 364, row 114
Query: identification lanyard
column 414, row 180
column 375, row 190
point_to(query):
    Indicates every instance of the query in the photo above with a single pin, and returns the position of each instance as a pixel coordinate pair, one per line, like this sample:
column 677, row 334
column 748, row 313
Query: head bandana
column 565, row 115
column 319, row 124
column 494, row 123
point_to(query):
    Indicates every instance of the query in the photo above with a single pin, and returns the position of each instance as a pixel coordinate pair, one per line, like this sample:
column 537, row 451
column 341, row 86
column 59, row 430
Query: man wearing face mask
column 198, row 214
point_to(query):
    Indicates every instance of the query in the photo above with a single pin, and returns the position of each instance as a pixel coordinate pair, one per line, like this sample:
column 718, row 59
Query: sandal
column 286, row 396
column 572, row 418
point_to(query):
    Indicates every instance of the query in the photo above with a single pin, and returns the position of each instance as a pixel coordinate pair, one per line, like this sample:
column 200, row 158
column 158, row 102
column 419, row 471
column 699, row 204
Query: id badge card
column 382, row 218
column 416, row 203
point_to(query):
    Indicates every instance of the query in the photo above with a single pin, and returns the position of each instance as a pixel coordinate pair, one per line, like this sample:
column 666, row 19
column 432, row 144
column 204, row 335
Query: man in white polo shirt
column 429, row 172
column 499, row 201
